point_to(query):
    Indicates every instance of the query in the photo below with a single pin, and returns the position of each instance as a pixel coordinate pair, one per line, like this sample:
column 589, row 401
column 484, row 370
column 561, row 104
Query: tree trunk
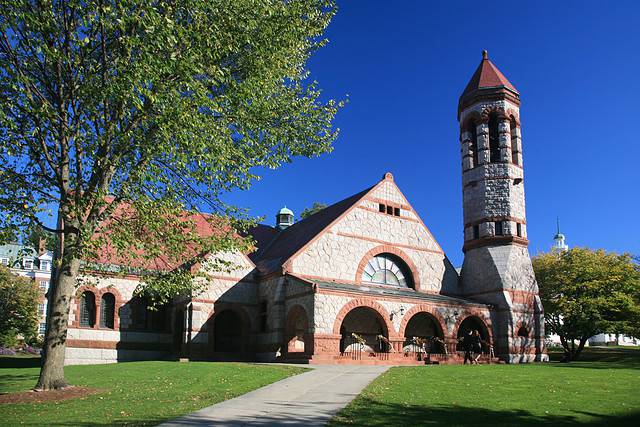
column 583, row 341
column 62, row 293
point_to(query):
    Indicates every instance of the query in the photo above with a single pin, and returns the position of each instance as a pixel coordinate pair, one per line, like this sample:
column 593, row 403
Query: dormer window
column 4, row 261
column 27, row 264
column 45, row 265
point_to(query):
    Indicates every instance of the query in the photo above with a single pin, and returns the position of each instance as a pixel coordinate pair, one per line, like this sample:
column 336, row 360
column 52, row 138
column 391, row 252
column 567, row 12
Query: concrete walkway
column 309, row 399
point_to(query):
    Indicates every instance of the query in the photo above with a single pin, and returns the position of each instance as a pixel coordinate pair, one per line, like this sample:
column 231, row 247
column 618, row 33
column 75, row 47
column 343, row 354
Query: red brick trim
column 511, row 113
column 98, row 293
column 118, row 345
column 384, row 242
column 495, row 241
column 380, row 311
column 391, row 250
column 488, row 94
column 428, row 309
column 498, row 110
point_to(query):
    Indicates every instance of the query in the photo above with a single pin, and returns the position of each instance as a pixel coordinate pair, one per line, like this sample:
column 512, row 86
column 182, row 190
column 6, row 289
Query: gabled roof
column 487, row 76
column 262, row 234
column 290, row 240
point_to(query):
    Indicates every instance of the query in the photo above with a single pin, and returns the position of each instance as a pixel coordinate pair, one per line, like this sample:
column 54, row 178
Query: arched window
column 473, row 132
column 87, row 309
column 514, row 140
column 107, row 310
column 386, row 269
column 494, row 141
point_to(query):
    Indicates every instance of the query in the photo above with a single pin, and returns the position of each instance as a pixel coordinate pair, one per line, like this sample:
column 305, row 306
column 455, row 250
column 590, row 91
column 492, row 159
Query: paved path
column 309, row 399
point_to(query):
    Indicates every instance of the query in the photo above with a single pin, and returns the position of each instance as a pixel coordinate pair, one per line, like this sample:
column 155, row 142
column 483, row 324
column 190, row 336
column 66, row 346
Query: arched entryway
column 366, row 324
column 473, row 323
column 230, row 332
column 423, row 328
column 297, row 331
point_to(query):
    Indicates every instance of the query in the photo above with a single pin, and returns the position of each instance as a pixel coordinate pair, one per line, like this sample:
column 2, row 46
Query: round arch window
column 386, row 269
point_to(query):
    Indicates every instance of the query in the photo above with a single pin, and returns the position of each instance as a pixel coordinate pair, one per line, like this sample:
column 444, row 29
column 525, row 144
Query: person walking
column 476, row 346
column 467, row 345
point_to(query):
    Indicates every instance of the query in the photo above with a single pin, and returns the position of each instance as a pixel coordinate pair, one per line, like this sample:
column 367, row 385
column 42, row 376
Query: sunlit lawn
column 602, row 390
column 135, row 393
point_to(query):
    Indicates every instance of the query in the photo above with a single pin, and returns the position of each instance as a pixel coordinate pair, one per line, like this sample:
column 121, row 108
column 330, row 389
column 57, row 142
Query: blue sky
column 404, row 64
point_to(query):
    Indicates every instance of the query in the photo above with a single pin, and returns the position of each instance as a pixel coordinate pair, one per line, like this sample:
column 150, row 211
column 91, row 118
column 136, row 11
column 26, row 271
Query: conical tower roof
column 487, row 79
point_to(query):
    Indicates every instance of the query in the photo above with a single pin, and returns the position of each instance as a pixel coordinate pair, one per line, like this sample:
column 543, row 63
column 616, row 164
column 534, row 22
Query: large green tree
column 120, row 115
column 19, row 298
column 586, row 292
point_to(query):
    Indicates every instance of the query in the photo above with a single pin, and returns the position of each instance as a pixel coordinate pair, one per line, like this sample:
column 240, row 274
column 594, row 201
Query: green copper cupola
column 284, row 218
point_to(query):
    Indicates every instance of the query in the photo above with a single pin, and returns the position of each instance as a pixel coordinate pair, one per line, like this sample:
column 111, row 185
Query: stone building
column 361, row 281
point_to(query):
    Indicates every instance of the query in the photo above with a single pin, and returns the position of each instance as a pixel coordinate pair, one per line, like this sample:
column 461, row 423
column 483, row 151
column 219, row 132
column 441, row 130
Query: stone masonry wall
column 337, row 254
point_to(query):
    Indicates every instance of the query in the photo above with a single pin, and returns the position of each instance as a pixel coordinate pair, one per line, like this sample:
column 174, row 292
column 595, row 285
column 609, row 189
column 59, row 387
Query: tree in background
column 316, row 207
column 586, row 292
column 18, row 308
column 128, row 117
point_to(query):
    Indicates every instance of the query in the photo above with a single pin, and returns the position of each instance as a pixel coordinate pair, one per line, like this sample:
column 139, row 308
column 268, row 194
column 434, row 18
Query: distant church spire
column 559, row 244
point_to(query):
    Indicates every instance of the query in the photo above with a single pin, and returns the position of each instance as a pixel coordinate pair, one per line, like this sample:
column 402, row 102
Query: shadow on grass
column 602, row 358
column 15, row 362
column 374, row 413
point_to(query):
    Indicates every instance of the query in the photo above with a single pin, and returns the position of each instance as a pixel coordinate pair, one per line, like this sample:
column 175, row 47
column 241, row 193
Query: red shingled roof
column 486, row 76
column 205, row 225
column 287, row 242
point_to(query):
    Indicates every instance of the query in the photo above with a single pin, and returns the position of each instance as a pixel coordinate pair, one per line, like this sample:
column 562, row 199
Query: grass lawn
column 602, row 390
column 135, row 393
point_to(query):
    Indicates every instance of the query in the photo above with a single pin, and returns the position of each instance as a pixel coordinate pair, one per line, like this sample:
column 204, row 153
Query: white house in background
column 35, row 264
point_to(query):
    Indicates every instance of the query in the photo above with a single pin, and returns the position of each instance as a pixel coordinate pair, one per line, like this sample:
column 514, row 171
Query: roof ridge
column 297, row 236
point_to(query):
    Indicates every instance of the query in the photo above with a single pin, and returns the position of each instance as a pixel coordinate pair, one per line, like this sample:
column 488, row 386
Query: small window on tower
column 390, row 210
column 396, row 211
column 381, row 207
column 519, row 229
column 494, row 144
column 514, row 140
column 476, row 231
column 499, row 228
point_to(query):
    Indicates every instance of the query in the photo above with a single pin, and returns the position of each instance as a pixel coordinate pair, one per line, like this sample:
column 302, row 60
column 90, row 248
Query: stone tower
column 497, row 267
